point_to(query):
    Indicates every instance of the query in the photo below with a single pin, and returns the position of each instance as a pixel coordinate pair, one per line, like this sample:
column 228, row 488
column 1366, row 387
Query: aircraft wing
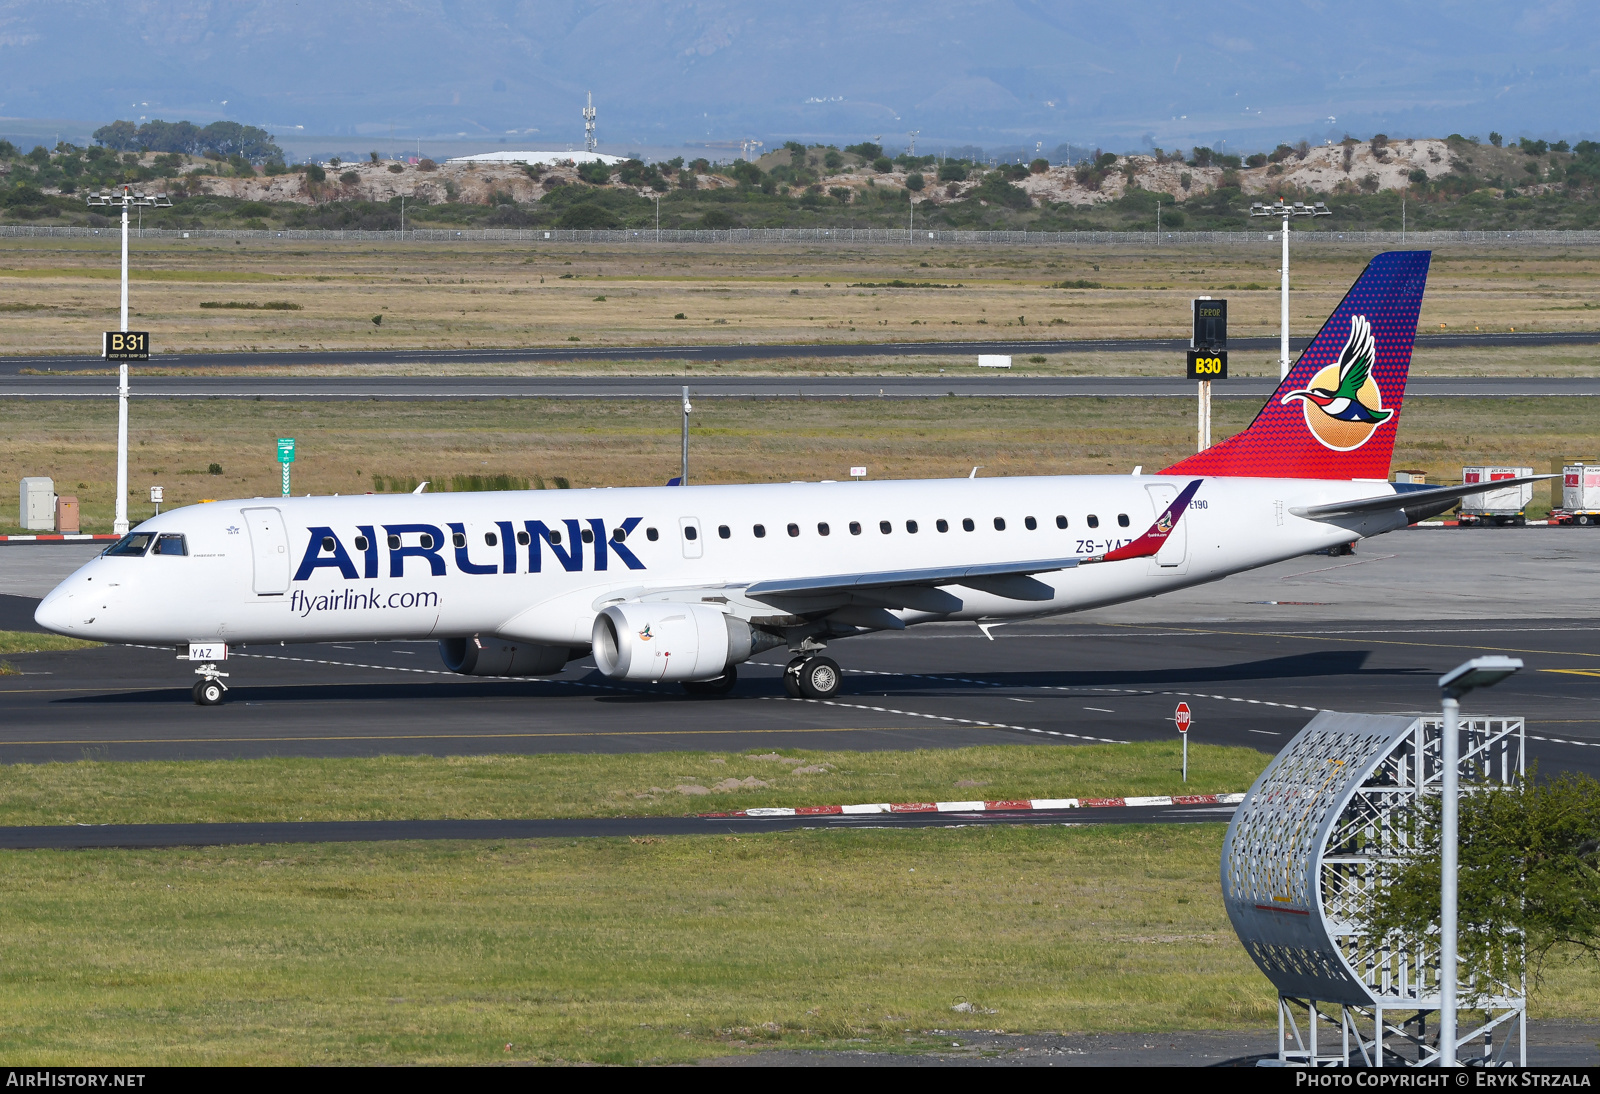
column 1416, row 504
column 991, row 577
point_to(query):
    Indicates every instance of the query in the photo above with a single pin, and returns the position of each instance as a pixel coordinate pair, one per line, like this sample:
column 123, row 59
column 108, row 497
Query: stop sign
column 1181, row 716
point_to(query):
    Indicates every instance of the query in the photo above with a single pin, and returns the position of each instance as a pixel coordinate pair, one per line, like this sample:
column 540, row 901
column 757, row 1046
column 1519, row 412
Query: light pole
column 658, row 216
column 1480, row 672
column 687, row 410
column 127, row 199
column 1284, row 209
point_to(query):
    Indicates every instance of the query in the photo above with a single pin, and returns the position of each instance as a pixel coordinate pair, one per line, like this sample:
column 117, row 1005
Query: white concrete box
column 37, row 511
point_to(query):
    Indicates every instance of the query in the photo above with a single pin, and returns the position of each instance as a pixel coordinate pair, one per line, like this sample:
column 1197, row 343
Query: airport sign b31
column 125, row 345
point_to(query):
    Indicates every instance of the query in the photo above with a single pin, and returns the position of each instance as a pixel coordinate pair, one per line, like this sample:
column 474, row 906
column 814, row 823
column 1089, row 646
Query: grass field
column 638, row 784
column 623, row 951
column 60, row 294
column 341, row 445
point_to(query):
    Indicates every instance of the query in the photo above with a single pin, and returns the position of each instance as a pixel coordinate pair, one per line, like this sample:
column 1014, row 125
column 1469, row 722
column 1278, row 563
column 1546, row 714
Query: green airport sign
column 285, row 449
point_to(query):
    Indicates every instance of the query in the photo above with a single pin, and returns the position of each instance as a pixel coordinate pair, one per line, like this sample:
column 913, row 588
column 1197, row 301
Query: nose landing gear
column 812, row 677
column 209, row 690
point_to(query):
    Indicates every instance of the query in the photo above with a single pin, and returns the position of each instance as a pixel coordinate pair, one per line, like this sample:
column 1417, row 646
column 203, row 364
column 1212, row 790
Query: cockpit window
column 171, row 543
column 134, row 544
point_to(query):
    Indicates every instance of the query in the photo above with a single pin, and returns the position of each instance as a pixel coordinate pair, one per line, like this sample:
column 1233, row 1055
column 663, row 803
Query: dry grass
column 631, row 443
column 62, row 293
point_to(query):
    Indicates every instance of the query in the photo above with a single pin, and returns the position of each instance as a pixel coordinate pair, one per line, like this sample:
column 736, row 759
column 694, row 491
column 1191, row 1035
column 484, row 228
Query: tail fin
column 1335, row 414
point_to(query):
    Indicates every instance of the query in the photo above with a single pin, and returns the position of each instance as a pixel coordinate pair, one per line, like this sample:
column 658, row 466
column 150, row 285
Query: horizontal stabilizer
column 981, row 577
column 1417, row 504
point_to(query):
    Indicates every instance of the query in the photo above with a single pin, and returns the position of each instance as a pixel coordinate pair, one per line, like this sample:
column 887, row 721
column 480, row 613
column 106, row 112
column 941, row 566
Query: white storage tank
column 37, row 511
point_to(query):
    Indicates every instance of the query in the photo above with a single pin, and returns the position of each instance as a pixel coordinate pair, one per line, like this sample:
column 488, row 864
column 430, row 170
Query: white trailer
column 1501, row 506
column 1580, row 494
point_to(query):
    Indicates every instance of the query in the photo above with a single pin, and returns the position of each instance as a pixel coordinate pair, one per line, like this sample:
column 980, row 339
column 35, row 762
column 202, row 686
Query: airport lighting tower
column 128, row 199
column 591, row 143
column 1286, row 210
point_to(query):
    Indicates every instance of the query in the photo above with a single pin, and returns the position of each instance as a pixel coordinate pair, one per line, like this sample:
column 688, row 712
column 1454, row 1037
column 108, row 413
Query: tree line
column 225, row 139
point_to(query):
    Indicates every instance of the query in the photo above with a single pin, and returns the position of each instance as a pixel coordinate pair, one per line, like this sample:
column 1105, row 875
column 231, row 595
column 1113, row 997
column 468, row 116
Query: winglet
column 1156, row 535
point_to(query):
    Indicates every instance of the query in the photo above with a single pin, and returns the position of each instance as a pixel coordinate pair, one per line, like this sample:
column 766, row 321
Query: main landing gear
column 209, row 689
column 812, row 677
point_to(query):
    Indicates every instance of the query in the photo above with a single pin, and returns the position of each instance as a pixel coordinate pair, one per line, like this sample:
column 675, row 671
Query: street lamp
column 1284, row 209
column 1480, row 672
column 128, row 199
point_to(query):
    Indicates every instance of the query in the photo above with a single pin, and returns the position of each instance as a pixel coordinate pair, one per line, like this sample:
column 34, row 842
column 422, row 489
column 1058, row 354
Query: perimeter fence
column 903, row 236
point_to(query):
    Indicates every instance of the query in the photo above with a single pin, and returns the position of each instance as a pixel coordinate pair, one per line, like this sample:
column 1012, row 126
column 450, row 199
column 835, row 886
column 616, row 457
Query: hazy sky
column 991, row 72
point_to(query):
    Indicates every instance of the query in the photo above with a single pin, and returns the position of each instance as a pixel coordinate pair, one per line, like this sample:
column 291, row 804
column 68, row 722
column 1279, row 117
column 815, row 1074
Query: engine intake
column 672, row 641
column 488, row 656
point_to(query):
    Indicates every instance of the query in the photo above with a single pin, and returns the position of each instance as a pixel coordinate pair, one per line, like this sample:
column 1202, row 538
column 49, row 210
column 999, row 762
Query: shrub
column 1257, row 160
column 427, row 165
column 866, row 150
column 214, row 469
column 252, row 209
column 1495, row 138
column 587, row 215
column 1417, row 174
column 315, row 173
column 716, row 219
column 915, row 181
column 1281, row 153
column 349, row 178
column 394, row 168
column 997, row 191
column 953, row 172
column 374, row 156
column 882, row 164
column 841, row 194
column 595, row 174
column 1039, row 166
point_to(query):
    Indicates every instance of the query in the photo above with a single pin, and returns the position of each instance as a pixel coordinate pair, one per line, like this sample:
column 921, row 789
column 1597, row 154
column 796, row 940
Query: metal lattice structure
column 1304, row 856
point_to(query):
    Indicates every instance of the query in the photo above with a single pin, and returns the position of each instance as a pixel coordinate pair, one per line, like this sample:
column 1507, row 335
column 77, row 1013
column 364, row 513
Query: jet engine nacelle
column 483, row 655
column 672, row 641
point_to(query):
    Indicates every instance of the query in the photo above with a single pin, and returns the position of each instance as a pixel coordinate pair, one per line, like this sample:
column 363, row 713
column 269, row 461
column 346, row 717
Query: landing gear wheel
column 208, row 693
column 791, row 677
column 819, row 678
column 717, row 685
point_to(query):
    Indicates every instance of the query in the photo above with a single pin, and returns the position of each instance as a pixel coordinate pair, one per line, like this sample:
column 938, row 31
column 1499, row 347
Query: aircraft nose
column 57, row 611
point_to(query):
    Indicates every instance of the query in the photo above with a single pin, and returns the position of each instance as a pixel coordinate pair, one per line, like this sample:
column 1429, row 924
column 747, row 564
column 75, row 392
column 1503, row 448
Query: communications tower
column 590, row 142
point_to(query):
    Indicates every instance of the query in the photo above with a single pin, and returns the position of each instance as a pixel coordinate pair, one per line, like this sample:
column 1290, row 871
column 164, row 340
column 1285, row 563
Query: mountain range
column 1237, row 74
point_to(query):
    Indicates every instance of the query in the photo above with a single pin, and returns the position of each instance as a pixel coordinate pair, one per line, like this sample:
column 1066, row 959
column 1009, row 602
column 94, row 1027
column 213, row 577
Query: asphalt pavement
column 1255, row 656
column 753, row 351
column 968, row 382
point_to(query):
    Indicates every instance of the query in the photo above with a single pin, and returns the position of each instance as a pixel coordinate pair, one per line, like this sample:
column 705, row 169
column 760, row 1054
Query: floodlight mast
column 127, row 199
column 1284, row 209
column 1480, row 672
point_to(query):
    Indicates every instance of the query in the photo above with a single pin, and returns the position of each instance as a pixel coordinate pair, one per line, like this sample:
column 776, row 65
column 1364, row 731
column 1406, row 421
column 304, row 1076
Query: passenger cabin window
column 885, row 527
column 456, row 538
column 1061, row 522
column 1094, row 521
column 911, row 526
column 942, row 524
column 171, row 544
column 967, row 525
column 855, row 528
column 690, row 532
column 327, row 543
column 1029, row 523
column 999, row 524
column 794, row 530
column 822, row 528
column 394, row 543
column 134, row 544
column 649, row 533
column 724, row 532
column 362, row 543
column 617, row 536
column 427, row 541
column 1122, row 520
column 588, row 535
column 522, row 538
column 760, row 531
column 554, row 536
column 489, row 538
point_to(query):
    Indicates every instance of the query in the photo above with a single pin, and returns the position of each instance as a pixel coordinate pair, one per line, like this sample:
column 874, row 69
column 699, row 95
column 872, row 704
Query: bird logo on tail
column 1343, row 406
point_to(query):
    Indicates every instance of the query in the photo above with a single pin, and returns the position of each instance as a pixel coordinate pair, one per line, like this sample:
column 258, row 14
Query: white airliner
column 684, row 583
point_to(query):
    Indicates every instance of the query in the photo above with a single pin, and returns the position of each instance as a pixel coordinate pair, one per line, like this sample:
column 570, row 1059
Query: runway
column 77, row 837
column 967, row 383
column 1255, row 656
column 10, row 366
